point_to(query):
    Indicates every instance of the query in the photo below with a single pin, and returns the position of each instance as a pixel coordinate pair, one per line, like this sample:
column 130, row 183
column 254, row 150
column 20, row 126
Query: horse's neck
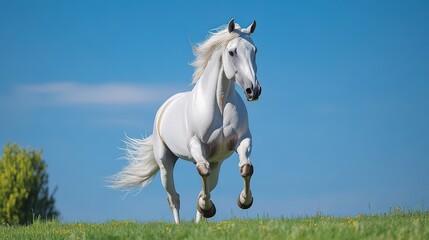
column 213, row 85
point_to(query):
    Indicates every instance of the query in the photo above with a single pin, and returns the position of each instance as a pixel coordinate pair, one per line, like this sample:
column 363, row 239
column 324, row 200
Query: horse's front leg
column 199, row 153
column 244, row 148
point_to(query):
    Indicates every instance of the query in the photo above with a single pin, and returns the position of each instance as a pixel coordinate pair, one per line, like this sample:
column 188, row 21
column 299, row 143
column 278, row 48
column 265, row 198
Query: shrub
column 24, row 192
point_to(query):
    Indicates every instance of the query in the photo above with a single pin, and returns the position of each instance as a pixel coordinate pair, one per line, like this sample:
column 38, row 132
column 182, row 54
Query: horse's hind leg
column 245, row 199
column 173, row 198
column 166, row 161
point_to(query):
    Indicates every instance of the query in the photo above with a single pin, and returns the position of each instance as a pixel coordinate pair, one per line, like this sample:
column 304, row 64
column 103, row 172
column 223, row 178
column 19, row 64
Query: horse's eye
column 231, row 53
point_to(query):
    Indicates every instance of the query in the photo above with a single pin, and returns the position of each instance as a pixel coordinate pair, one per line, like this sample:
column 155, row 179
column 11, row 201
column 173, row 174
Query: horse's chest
column 222, row 137
column 220, row 143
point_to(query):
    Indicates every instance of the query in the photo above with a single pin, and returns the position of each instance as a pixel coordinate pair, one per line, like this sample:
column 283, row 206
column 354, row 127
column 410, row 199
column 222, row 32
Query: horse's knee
column 203, row 169
column 246, row 170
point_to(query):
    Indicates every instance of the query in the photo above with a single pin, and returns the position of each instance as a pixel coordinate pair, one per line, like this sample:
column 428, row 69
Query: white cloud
column 72, row 93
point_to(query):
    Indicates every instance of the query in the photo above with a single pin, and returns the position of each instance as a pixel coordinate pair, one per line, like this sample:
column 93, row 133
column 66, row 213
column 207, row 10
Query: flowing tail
column 142, row 165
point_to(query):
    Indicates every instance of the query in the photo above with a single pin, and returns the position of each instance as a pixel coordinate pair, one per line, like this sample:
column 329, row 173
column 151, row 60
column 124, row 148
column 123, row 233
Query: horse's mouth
column 252, row 99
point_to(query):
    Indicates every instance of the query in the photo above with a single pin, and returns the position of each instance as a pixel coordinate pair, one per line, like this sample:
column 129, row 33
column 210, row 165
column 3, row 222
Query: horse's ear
column 252, row 27
column 231, row 25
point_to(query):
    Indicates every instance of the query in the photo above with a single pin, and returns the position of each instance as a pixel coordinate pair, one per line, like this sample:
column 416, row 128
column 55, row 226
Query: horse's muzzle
column 252, row 94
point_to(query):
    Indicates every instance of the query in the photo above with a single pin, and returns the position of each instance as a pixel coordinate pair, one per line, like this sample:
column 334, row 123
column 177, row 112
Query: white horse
column 204, row 126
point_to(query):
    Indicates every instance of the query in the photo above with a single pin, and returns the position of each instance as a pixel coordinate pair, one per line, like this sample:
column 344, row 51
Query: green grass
column 397, row 225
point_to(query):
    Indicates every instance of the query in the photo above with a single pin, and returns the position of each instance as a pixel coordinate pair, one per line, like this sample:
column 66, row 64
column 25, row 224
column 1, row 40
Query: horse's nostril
column 248, row 91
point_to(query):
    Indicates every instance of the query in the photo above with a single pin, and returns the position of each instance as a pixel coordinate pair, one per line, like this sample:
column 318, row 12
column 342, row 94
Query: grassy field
column 399, row 225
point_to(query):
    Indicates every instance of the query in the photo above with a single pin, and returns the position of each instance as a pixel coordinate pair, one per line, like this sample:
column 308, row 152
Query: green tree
column 24, row 192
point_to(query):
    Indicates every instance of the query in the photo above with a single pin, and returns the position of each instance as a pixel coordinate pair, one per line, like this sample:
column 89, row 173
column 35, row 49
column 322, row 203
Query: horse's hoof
column 244, row 206
column 209, row 212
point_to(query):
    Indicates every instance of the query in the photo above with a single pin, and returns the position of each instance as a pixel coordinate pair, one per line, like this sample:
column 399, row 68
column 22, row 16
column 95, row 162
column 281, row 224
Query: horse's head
column 239, row 60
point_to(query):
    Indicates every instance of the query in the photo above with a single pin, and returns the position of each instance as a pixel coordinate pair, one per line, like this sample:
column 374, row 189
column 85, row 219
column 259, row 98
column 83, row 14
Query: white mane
column 218, row 39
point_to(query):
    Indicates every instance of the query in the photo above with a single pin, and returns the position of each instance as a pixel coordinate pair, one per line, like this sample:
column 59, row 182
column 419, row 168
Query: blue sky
column 341, row 126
